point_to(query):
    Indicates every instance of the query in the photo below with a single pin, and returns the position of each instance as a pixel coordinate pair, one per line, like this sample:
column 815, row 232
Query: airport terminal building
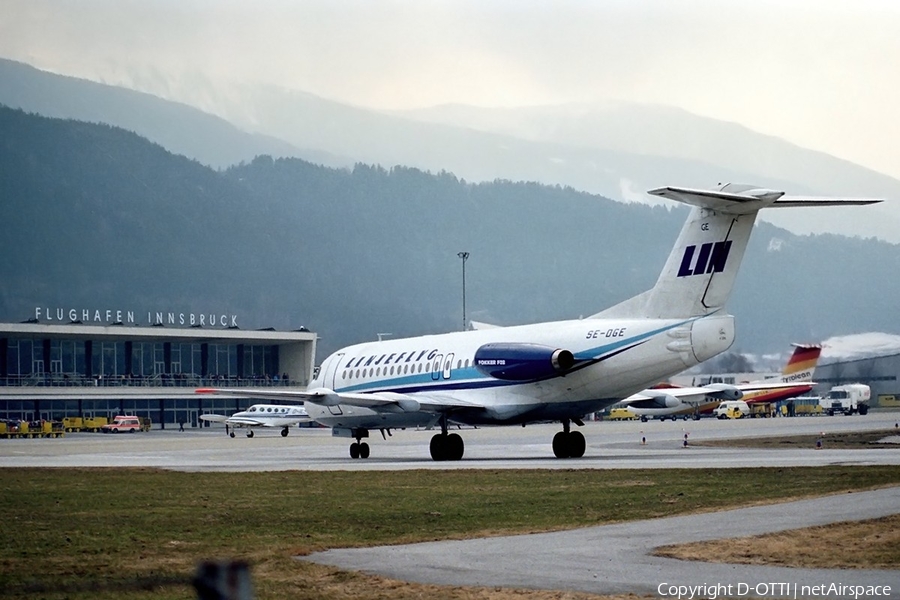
column 53, row 368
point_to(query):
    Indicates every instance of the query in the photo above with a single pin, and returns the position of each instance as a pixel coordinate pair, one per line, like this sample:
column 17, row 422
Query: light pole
column 464, row 256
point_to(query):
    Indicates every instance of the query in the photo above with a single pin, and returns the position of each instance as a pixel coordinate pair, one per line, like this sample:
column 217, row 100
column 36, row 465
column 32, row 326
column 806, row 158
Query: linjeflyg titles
column 108, row 316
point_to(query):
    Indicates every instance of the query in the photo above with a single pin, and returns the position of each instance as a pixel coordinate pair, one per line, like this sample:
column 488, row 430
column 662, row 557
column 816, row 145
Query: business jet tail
column 699, row 274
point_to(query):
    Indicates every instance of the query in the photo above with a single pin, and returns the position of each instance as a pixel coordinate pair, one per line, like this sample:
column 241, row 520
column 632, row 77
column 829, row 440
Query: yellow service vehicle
column 621, row 414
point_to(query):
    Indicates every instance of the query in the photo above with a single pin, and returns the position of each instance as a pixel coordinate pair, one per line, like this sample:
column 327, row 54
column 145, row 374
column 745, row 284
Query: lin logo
column 710, row 259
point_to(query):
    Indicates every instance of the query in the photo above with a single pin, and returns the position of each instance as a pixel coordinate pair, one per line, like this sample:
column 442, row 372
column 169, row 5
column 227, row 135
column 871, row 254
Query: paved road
column 615, row 559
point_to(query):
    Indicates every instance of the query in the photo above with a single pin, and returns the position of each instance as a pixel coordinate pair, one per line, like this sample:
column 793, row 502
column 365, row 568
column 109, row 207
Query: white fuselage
column 267, row 415
column 614, row 358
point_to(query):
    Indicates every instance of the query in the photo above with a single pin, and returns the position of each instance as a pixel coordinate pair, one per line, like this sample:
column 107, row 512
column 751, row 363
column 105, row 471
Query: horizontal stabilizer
column 795, row 201
column 743, row 199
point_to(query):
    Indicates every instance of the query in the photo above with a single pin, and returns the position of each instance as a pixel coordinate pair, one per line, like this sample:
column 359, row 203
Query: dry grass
column 873, row 544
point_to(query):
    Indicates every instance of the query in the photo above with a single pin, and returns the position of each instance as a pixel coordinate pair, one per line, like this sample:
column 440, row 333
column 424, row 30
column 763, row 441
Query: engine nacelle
column 661, row 401
column 725, row 391
column 522, row 362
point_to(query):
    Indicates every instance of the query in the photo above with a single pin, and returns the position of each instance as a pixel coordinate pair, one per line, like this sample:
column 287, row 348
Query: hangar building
column 54, row 370
column 878, row 372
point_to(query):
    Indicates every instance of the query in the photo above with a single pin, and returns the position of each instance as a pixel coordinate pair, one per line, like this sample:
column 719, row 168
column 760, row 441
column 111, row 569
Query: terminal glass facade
column 73, row 360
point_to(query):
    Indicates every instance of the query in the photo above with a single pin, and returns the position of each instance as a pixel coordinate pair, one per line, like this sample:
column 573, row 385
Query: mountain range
column 94, row 214
column 613, row 149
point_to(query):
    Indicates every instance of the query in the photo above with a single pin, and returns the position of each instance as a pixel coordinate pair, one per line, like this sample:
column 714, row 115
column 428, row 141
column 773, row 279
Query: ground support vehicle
column 35, row 429
column 127, row 424
column 621, row 414
column 762, row 410
column 732, row 409
column 847, row 399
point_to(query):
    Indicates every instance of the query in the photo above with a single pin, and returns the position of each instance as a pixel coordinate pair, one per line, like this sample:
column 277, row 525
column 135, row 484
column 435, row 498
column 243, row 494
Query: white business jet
column 558, row 371
column 262, row 415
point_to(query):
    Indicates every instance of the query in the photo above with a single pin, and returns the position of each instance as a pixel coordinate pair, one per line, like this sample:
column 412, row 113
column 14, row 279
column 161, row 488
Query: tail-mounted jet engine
column 522, row 362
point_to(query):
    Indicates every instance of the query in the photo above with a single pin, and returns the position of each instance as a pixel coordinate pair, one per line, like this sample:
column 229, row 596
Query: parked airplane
column 672, row 402
column 262, row 415
column 558, row 371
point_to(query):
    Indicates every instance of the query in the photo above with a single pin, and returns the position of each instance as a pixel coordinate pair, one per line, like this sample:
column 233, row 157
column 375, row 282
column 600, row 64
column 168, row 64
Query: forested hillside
column 94, row 215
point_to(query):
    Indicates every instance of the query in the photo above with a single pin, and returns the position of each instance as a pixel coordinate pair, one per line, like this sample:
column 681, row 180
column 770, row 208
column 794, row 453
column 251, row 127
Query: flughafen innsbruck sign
column 109, row 316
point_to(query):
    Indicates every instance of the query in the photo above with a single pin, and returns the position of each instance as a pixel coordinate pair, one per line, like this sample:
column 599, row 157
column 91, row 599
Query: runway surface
column 615, row 559
column 610, row 445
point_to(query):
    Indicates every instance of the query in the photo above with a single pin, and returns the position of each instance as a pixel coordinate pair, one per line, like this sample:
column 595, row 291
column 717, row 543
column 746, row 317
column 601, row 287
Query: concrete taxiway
column 610, row 445
column 616, row 559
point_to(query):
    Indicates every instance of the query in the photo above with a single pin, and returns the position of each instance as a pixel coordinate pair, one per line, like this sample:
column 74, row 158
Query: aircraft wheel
column 364, row 450
column 354, row 450
column 284, row 432
column 455, row 446
column 576, row 444
column 231, row 434
column 560, row 447
column 250, row 434
column 438, row 447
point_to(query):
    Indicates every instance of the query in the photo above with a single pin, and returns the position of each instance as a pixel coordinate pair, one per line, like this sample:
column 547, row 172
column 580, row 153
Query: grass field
column 139, row 533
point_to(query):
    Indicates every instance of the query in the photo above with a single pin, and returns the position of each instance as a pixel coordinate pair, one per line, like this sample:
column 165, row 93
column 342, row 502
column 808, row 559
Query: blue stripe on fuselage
column 468, row 378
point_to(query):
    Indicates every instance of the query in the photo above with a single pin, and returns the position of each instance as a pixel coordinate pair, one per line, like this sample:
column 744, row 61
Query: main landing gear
column 284, row 432
column 359, row 449
column 249, row 433
column 446, row 447
column 569, row 444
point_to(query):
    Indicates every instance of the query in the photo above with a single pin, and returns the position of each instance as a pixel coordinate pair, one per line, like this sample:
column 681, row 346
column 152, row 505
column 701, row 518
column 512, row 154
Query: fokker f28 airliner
column 557, row 371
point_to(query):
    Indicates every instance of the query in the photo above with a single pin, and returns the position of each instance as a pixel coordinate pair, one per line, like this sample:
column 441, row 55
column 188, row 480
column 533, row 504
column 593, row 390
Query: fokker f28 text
column 557, row 371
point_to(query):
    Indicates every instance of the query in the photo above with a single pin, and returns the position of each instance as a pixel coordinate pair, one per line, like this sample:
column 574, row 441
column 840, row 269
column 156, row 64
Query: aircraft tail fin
column 700, row 272
column 802, row 363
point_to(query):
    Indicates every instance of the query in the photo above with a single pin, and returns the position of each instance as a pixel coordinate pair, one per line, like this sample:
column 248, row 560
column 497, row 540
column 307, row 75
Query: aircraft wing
column 724, row 392
column 214, row 418
column 779, row 385
column 384, row 401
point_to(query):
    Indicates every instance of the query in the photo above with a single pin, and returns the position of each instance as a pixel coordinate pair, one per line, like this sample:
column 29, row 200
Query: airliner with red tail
column 663, row 402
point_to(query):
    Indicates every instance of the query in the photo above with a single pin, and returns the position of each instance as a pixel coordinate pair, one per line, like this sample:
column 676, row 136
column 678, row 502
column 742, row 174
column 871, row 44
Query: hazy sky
column 819, row 73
